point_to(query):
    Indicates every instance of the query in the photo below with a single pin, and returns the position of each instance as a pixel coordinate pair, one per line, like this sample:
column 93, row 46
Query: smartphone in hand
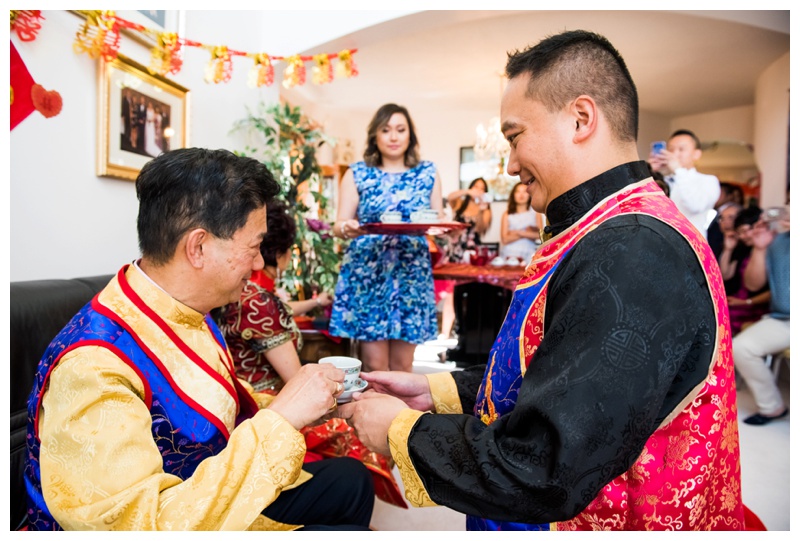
column 657, row 146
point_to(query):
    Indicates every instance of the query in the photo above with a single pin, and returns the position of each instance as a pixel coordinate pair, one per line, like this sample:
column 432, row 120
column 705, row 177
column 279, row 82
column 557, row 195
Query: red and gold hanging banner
column 295, row 72
column 346, row 66
column 322, row 72
column 99, row 36
column 166, row 57
column 262, row 73
column 220, row 66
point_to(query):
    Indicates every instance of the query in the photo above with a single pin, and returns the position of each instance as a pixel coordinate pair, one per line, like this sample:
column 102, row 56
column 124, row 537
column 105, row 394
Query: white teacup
column 349, row 365
column 425, row 215
column 391, row 217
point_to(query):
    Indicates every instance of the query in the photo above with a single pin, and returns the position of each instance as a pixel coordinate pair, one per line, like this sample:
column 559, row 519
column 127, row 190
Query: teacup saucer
column 347, row 395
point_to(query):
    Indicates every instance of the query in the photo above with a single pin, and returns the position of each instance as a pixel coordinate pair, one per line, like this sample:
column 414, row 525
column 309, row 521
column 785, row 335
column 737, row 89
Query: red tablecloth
column 506, row 277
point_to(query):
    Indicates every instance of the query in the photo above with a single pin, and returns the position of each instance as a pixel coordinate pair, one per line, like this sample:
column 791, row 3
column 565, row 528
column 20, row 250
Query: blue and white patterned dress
column 385, row 288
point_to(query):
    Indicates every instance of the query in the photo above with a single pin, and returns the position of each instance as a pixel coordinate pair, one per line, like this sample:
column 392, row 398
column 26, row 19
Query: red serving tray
column 419, row 229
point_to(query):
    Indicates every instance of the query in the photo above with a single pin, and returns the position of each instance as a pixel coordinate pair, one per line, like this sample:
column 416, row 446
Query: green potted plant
column 288, row 144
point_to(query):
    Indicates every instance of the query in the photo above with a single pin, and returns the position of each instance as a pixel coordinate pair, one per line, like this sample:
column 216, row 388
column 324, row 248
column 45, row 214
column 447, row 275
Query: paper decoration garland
column 99, row 36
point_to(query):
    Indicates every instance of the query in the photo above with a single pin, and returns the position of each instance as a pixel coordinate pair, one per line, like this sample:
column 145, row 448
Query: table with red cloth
column 503, row 276
column 481, row 295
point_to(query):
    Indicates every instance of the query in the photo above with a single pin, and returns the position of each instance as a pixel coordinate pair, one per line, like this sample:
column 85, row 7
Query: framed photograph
column 491, row 170
column 140, row 115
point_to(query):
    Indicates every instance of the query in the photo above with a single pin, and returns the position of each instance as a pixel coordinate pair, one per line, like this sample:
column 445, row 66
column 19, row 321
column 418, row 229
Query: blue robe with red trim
column 183, row 435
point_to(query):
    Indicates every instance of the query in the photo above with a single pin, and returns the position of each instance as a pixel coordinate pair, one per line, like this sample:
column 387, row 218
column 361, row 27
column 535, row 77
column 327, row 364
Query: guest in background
column 769, row 264
column 730, row 195
column 694, row 193
column 470, row 206
column 384, row 297
column 265, row 343
column 520, row 225
column 722, row 227
column 744, row 305
column 662, row 184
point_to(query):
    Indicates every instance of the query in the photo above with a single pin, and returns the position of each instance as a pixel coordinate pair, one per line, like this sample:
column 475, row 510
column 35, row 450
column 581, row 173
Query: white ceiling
column 683, row 62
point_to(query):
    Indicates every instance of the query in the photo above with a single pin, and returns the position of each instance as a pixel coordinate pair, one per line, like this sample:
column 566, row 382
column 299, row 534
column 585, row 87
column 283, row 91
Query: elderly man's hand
column 371, row 414
column 413, row 389
column 309, row 395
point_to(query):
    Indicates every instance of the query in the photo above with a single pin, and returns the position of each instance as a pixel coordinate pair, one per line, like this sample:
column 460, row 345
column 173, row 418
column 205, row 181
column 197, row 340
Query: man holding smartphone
column 694, row 193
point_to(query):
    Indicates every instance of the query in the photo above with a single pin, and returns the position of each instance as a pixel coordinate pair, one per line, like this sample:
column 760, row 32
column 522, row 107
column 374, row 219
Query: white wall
column 731, row 124
column 652, row 127
column 772, row 131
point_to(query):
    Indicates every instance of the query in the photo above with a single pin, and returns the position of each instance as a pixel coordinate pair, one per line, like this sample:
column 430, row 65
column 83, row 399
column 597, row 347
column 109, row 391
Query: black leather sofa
column 39, row 309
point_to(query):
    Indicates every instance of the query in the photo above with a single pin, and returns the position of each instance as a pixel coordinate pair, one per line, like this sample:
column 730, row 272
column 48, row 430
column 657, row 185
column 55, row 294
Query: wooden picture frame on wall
column 491, row 170
column 140, row 115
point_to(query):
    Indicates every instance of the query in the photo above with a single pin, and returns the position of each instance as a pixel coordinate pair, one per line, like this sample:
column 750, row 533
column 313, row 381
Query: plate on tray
column 417, row 228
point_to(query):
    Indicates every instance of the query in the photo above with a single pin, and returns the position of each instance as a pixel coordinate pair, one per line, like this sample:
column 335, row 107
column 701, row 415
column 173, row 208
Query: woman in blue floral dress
column 384, row 297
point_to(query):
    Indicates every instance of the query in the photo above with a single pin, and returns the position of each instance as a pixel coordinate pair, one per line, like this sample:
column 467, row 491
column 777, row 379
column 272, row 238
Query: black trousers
column 340, row 496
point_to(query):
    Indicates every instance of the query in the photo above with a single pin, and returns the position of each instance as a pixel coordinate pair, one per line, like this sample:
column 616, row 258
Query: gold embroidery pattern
column 399, row 431
column 444, row 393
column 687, row 477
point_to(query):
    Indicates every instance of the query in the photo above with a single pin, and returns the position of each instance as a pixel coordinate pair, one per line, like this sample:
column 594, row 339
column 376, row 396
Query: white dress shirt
column 695, row 195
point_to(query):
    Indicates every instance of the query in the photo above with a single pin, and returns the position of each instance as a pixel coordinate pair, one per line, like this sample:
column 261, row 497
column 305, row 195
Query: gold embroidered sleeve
column 398, row 444
column 101, row 469
column 444, row 392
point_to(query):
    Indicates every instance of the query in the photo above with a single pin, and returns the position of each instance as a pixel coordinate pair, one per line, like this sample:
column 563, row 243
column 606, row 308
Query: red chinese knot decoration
column 47, row 102
column 26, row 23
